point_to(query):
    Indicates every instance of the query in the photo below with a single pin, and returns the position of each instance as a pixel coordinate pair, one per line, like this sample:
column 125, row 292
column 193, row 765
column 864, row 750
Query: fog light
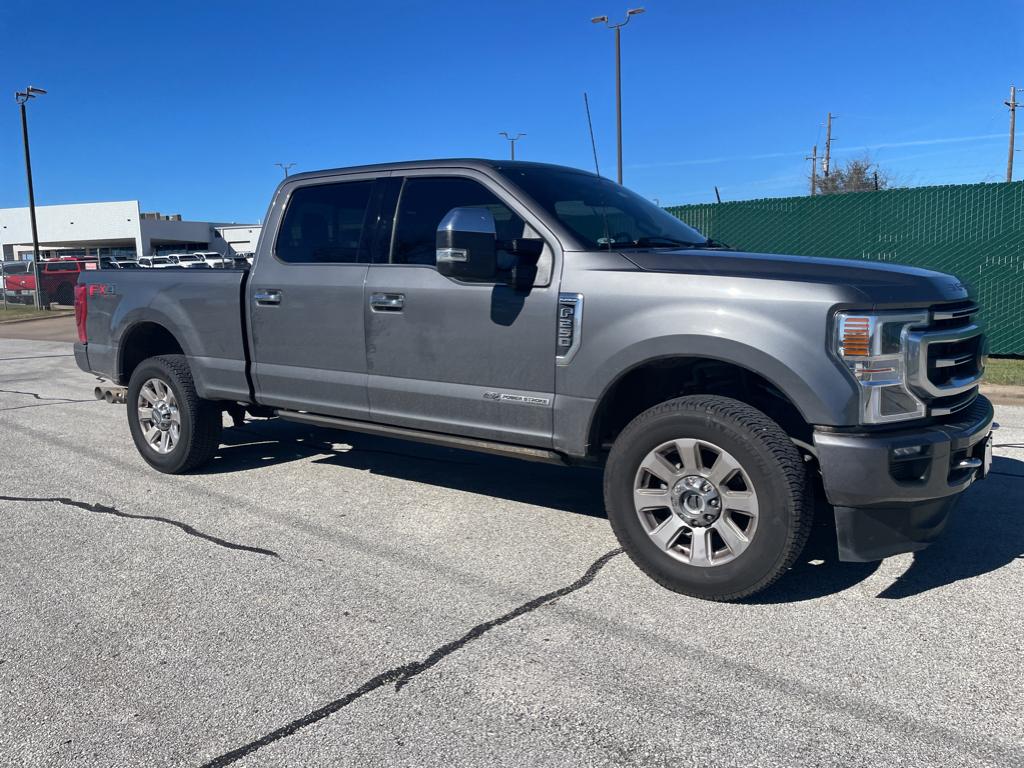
column 907, row 450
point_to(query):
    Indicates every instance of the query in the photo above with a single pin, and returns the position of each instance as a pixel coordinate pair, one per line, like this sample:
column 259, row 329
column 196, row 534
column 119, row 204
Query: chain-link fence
column 975, row 232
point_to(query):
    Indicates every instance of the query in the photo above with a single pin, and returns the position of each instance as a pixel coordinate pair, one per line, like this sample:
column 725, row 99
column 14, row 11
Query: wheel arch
column 142, row 340
column 653, row 380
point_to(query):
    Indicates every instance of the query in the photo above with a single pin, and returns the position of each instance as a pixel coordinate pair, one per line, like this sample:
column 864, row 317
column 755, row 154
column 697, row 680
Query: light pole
column 618, row 74
column 512, row 141
column 22, row 98
column 284, row 167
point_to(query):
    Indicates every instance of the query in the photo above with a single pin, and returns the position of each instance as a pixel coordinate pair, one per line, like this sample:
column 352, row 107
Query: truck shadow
column 983, row 534
column 274, row 441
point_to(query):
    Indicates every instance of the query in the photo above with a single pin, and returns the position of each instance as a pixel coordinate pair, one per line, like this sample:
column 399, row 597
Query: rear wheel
column 173, row 428
column 708, row 496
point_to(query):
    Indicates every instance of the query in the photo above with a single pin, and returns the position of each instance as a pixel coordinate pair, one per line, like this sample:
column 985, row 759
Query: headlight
column 872, row 349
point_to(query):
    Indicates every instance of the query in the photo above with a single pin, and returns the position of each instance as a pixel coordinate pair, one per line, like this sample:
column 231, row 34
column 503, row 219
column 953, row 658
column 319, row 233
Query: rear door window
column 324, row 224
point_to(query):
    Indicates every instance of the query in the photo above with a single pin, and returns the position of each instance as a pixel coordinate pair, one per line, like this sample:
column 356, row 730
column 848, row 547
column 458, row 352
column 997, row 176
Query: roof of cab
column 474, row 163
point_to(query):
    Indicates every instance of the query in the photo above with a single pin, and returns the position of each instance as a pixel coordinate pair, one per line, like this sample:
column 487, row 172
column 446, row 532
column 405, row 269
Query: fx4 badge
column 507, row 397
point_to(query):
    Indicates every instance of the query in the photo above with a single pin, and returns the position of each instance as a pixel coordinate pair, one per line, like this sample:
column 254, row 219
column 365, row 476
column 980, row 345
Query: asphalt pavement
column 323, row 598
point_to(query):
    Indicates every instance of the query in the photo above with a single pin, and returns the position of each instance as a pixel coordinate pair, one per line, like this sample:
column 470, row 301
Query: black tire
column 767, row 456
column 201, row 420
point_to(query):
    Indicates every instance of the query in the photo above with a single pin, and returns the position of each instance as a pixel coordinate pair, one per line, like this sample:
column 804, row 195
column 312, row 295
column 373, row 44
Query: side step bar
column 421, row 436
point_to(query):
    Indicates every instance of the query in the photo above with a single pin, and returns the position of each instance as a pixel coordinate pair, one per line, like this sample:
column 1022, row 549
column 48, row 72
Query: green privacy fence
column 975, row 232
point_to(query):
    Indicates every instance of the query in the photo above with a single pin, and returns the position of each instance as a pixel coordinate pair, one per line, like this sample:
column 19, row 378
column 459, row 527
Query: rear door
column 305, row 297
column 476, row 359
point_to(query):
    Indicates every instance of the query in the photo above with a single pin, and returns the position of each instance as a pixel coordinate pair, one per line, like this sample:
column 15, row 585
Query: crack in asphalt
column 37, row 396
column 114, row 511
column 401, row 676
column 45, row 405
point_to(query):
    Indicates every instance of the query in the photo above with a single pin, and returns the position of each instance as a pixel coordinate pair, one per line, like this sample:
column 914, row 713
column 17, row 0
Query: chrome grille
column 944, row 358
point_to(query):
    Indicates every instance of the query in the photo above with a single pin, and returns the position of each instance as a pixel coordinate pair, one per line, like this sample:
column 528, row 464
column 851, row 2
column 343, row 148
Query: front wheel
column 708, row 496
column 173, row 428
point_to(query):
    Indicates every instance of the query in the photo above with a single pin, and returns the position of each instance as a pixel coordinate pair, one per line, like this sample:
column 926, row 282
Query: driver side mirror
column 467, row 245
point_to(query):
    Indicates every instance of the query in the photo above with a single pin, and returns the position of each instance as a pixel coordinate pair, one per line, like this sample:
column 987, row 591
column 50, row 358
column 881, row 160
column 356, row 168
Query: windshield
column 15, row 269
column 602, row 214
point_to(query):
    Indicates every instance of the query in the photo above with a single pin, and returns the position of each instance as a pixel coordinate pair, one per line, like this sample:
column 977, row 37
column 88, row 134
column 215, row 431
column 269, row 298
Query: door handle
column 387, row 302
column 267, row 297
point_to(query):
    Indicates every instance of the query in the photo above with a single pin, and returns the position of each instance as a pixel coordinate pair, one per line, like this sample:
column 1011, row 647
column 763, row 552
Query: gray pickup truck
column 549, row 314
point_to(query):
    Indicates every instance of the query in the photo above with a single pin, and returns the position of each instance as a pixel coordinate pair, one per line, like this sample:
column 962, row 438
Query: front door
column 456, row 357
column 306, row 299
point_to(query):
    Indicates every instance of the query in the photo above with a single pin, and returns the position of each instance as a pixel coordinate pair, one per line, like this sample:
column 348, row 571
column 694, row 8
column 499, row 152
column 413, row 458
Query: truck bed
column 201, row 309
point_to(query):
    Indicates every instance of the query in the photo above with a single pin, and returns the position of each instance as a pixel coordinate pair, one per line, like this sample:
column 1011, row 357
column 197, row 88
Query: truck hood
column 878, row 282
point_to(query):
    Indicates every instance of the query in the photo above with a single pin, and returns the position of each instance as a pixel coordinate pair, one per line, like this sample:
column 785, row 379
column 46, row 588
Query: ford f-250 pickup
column 547, row 313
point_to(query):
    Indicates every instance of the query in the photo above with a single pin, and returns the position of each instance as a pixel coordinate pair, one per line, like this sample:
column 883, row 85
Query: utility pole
column 1012, row 104
column 826, row 163
column 512, row 141
column 22, row 97
column 618, row 75
column 284, row 167
column 813, row 157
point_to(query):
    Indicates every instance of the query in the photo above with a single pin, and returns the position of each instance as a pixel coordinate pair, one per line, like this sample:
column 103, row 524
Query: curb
column 1003, row 394
column 50, row 316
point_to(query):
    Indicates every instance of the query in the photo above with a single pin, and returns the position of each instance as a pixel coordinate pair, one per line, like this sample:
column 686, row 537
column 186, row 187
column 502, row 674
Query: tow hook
column 113, row 395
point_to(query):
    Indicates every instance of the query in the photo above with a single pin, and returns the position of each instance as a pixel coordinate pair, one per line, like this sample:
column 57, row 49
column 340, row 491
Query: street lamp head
column 599, row 20
column 635, row 11
column 22, row 97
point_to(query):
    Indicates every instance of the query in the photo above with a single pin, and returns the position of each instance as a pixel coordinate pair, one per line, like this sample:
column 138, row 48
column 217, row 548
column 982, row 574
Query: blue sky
column 186, row 105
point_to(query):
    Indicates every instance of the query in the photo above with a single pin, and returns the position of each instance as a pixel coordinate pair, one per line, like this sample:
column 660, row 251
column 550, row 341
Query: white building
column 115, row 229
column 241, row 238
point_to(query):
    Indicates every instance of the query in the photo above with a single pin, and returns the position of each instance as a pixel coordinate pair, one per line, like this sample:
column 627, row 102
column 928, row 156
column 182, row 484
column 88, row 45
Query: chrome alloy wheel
column 158, row 416
column 696, row 502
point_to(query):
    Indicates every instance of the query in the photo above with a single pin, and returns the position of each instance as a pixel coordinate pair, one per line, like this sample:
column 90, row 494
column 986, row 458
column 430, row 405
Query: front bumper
column 887, row 504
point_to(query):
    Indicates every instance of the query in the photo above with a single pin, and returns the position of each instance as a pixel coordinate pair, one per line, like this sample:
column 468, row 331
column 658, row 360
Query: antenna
column 590, row 126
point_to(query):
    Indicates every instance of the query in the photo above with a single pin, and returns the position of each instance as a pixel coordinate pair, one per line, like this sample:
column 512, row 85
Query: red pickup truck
column 58, row 277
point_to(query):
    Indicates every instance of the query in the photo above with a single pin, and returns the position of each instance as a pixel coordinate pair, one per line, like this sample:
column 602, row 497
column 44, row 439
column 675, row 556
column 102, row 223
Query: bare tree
column 860, row 174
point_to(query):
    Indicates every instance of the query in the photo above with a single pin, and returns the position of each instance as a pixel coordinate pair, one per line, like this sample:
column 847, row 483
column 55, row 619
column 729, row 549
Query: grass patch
column 1005, row 370
column 22, row 312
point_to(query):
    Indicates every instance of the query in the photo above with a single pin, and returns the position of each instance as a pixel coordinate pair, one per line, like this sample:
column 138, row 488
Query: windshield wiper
column 663, row 242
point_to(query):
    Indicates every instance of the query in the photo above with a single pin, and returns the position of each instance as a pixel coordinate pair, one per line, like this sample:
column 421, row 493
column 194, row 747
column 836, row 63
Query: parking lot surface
column 324, row 598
